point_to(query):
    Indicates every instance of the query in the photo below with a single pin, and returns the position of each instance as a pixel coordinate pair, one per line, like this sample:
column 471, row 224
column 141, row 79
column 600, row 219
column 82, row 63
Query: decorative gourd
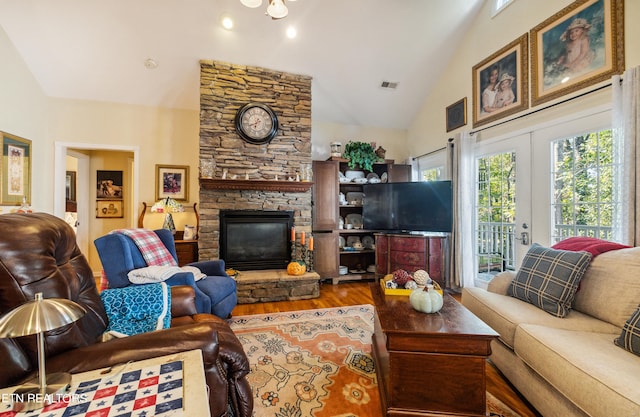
column 421, row 277
column 426, row 300
column 296, row 268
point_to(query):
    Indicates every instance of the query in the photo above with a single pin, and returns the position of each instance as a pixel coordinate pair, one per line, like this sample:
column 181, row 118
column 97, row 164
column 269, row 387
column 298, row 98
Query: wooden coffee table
column 429, row 364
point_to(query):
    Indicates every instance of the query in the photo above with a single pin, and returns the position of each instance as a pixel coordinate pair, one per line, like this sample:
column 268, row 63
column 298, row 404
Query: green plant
column 360, row 154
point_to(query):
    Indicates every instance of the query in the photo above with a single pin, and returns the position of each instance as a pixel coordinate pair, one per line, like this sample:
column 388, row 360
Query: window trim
column 499, row 5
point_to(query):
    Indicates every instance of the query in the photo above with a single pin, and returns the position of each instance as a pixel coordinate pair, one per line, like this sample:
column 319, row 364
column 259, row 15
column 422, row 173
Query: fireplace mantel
column 264, row 185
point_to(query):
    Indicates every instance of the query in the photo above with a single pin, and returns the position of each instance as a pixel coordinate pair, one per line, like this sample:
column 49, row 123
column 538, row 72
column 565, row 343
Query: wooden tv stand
column 429, row 364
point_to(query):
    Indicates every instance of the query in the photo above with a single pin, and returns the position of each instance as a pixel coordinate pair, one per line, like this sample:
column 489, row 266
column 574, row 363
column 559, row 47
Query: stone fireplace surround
column 224, row 89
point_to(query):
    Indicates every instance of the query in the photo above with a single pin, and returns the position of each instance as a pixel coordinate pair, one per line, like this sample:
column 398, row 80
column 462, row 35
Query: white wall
column 486, row 36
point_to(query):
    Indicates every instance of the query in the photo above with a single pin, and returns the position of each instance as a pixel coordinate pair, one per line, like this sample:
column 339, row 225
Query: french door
column 503, row 222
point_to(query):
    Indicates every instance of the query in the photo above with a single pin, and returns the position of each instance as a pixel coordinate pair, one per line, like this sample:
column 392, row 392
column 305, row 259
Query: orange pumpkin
column 296, row 268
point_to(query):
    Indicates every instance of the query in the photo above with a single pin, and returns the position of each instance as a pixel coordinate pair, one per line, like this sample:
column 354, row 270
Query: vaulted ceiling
column 96, row 49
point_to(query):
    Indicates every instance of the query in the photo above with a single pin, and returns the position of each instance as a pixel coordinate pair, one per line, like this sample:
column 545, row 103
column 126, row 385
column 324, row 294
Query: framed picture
column 581, row 45
column 109, row 209
column 457, row 115
column 500, row 83
column 70, row 186
column 16, row 169
column 109, row 185
column 172, row 181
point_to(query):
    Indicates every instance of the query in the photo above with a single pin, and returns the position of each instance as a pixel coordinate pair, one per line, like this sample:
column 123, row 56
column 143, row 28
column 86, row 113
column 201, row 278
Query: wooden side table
column 429, row 364
column 187, row 251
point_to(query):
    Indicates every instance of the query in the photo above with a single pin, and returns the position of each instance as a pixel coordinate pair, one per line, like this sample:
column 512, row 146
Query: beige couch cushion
column 586, row 367
column 504, row 313
column 610, row 288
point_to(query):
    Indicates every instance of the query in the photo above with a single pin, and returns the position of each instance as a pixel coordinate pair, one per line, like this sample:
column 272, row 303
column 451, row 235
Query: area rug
column 316, row 363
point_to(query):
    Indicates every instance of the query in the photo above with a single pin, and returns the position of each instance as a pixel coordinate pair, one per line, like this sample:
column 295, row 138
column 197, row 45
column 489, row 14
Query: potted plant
column 360, row 154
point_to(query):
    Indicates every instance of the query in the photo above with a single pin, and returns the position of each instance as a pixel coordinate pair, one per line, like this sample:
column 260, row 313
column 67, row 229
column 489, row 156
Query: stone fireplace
column 262, row 172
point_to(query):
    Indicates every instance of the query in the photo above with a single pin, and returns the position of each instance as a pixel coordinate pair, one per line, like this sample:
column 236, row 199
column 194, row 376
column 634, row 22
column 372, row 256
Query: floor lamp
column 36, row 317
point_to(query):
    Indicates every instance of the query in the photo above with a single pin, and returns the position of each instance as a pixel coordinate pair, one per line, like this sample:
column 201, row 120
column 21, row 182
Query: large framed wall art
column 581, row 45
column 500, row 83
column 16, row 170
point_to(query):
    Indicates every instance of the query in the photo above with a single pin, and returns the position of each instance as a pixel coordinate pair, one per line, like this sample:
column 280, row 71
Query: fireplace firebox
column 255, row 239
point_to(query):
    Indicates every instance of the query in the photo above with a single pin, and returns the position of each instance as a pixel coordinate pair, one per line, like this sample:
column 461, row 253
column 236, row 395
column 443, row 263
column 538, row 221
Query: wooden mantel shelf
column 264, row 185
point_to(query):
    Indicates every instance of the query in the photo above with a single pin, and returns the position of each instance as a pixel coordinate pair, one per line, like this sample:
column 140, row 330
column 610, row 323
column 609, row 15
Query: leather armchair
column 215, row 294
column 38, row 253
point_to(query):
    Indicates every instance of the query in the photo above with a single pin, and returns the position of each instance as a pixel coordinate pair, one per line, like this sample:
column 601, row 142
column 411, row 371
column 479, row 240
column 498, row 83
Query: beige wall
column 323, row 133
column 23, row 112
column 164, row 136
column 486, row 36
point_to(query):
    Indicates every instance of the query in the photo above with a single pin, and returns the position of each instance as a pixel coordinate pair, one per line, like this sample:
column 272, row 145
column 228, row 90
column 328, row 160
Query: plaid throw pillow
column 630, row 337
column 549, row 278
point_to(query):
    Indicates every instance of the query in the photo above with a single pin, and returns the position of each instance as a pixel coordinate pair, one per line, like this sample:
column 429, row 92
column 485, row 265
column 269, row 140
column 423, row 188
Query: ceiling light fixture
column 227, row 22
column 276, row 8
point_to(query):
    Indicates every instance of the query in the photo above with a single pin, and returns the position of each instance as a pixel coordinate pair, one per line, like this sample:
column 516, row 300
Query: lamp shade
column 251, row 3
column 39, row 315
column 277, row 9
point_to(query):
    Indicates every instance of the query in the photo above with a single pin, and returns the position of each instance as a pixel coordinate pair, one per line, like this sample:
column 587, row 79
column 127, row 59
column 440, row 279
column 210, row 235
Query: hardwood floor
column 355, row 293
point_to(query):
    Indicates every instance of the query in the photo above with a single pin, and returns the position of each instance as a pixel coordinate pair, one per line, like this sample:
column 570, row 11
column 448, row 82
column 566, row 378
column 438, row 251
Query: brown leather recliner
column 38, row 253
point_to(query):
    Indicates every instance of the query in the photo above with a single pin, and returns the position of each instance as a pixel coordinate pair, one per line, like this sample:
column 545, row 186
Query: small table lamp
column 37, row 317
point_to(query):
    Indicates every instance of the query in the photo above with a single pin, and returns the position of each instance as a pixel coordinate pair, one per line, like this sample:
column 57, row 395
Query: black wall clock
column 256, row 123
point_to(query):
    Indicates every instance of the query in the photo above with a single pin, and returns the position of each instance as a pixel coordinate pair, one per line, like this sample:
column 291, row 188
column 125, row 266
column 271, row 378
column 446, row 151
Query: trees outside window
column 583, row 186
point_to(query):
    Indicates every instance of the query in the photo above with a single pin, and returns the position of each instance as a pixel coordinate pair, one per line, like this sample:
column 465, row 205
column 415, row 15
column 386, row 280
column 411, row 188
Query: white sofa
column 569, row 366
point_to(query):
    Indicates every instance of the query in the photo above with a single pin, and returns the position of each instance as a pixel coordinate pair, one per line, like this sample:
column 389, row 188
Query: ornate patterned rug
column 316, row 363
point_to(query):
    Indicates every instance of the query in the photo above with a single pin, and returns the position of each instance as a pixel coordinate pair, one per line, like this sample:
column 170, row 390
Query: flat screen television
column 408, row 206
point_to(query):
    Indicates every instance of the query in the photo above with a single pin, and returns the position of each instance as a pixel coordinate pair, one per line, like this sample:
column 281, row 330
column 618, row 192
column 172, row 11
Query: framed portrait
column 16, row 169
column 457, row 115
column 109, row 185
column 70, row 186
column 172, row 181
column 580, row 45
column 109, row 209
column 500, row 83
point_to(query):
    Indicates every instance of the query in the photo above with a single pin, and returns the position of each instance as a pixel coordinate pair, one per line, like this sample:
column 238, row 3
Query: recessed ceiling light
column 150, row 63
column 291, row 32
column 227, row 22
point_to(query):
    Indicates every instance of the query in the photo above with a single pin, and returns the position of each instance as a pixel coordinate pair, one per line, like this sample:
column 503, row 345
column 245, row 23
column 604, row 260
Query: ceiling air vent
column 389, row 85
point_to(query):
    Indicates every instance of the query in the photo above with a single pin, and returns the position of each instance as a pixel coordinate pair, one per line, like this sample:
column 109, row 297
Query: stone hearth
column 276, row 285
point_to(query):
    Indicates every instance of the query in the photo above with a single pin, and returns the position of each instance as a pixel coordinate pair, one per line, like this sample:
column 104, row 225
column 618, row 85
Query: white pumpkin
column 426, row 300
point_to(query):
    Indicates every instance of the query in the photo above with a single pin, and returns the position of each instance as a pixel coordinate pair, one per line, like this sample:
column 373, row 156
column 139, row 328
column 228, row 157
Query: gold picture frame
column 109, row 209
column 507, row 69
column 172, row 181
column 457, row 115
column 579, row 46
column 16, row 170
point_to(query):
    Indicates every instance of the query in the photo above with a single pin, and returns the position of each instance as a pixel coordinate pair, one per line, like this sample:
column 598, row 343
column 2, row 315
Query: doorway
column 82, row 151
column 503, row 206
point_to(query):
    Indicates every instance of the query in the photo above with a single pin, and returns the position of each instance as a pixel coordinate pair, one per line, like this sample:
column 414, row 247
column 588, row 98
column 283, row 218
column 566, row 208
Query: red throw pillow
column 592, row 245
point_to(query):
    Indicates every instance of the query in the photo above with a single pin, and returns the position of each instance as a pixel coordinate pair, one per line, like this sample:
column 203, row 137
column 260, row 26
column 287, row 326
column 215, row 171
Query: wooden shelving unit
column 327, row 211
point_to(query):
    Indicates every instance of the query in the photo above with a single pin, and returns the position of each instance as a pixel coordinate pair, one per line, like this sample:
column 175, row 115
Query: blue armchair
column 215, row 294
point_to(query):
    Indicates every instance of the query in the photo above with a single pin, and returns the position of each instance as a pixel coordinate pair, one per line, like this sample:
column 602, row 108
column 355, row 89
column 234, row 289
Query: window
column 432, row 174
column 499, row 5
column 583, row 199
column 431, row 167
